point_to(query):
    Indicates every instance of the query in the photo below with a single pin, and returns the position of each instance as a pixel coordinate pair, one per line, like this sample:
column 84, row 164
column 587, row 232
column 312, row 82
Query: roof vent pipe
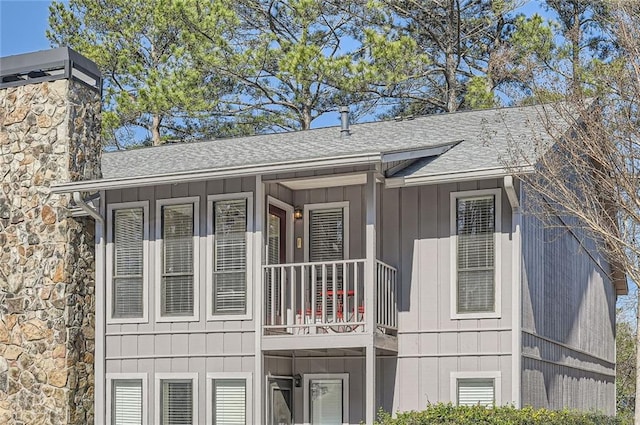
column 344, row 121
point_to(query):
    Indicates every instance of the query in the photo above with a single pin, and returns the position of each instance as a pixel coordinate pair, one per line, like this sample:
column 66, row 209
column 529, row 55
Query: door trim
column 289, row 223
column 345, row 393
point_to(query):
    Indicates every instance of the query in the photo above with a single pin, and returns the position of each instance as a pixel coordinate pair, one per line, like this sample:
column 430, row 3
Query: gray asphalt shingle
column 486, row 136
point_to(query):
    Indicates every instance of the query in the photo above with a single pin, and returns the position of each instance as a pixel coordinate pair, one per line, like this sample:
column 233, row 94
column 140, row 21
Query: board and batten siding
column 180, row 347
column 414, row 236
column 568, row 319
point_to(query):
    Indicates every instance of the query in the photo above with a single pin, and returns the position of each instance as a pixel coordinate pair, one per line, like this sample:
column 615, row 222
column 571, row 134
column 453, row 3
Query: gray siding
column 568, row 319
column 180, row 347
column 413, row 231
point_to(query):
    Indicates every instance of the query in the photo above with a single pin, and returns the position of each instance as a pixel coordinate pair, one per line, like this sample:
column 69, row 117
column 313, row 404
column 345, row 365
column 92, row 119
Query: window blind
column 128, row 263
column 326, row 234
column 126, row 402
column 230, row 257
column 176, row 402
column 475, row 223
column 177, row 260
column 326, row 401
column 475, row 391
column 229, row 401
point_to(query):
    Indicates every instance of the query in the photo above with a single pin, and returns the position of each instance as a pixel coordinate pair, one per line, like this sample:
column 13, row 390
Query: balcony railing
column 326, row 297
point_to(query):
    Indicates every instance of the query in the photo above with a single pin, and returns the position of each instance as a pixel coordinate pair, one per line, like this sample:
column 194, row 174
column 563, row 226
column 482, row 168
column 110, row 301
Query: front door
column 280, row 403
column 276, row 254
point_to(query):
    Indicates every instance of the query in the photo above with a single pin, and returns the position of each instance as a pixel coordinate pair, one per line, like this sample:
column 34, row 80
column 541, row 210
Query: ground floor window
column 472, row 388
column 177, row 395
column 227, row 395
column 126, row 399
column 326, row 398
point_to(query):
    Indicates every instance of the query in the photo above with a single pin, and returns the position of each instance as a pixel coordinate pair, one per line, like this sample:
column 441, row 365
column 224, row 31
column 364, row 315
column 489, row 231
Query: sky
column 22, row 26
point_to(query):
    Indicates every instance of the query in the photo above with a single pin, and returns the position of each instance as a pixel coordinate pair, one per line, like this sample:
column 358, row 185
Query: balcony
column 329, row 298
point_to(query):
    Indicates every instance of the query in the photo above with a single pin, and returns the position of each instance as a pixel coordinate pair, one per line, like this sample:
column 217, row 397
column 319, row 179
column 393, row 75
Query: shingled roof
column 479, row 140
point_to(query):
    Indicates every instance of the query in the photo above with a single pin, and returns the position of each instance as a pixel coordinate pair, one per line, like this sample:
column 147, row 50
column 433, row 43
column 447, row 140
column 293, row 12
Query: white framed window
column 127, row 268
column 229, row 256
column 475, row 254
column 326, row 231
column 177, row 259
column 326, row 398
column 176, row 399
column 228, row 398
column 126, row 398
column 472, row 388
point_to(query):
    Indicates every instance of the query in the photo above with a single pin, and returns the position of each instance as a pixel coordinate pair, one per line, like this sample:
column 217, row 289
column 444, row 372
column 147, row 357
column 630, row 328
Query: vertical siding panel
column 409, row 261
column 356, row 221
column 444, row 245
column 427, row 240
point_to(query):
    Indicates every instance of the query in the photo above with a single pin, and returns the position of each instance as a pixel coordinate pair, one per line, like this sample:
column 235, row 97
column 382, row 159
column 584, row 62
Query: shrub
column 447, row 414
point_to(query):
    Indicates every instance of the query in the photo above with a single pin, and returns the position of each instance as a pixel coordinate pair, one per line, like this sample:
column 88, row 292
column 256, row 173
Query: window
column 228, row 277
column 127, row 262
column 177, row 397
column 126, row 394
column 327, row 231
column 475, row 391
column 227, row 394
column 178, row 253
column 475, row 253
column 326, row 398
column 472, row 388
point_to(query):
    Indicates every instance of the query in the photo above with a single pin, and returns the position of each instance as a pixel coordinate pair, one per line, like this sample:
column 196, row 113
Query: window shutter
column 475, row 223
column 230, row 257
column 128, row 262
column 326, row 401
column 177, row 260
column 127, row 402
column 476, row 391
column 229, row 401
column 177, row 402
column 326, row 233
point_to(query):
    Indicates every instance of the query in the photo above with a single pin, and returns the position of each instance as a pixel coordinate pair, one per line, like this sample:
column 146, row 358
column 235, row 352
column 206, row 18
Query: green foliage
column 150, row 80
column 295, row 60
column 447, row 414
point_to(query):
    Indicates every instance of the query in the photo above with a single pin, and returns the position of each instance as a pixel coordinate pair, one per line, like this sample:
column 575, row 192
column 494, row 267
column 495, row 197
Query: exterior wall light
column 297, row 213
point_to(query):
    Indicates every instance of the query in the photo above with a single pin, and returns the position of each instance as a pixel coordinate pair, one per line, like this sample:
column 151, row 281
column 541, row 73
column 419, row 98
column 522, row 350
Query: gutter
column 216, row 173
column 87, row 208
column 482, row 173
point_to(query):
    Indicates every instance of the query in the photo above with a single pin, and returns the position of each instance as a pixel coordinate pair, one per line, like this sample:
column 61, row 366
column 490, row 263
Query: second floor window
column 128, row 263
column 177, row 260
column 229, row 257
column 475, row 252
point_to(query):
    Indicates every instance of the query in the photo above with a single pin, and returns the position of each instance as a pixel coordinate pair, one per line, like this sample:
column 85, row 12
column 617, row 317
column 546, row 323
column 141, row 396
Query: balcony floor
column 322, row 341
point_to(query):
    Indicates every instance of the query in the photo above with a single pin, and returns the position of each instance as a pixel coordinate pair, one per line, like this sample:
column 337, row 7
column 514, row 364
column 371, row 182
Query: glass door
column 280, row 402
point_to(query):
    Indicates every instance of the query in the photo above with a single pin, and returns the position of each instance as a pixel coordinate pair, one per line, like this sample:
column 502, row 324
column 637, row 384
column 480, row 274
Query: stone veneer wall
column 49, row 133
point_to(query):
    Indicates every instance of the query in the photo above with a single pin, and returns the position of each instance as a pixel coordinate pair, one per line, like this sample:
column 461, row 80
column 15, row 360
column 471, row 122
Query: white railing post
column 370, row 297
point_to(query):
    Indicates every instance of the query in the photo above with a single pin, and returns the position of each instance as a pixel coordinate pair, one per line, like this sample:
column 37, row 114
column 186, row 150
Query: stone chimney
column 49, row 134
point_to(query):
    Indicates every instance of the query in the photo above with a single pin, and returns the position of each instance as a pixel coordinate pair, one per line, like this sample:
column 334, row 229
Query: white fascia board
column 219, row 173
column 485, row 173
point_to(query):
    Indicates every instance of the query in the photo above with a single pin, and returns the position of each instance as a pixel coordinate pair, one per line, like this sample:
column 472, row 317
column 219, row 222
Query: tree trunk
column 155, row 130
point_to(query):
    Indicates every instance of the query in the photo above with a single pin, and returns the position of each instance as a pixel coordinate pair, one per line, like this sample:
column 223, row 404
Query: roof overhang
column 218, row 173
column 466, row 175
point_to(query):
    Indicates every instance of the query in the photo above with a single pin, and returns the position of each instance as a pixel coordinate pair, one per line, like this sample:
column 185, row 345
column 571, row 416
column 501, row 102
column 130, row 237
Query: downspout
column 511, row 192
column 516, row 288
column 87, row 208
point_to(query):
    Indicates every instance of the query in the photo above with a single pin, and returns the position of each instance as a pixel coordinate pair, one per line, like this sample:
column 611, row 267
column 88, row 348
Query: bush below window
column 447, row 414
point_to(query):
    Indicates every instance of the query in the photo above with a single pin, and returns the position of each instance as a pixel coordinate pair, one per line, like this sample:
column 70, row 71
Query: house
column 305, row 277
